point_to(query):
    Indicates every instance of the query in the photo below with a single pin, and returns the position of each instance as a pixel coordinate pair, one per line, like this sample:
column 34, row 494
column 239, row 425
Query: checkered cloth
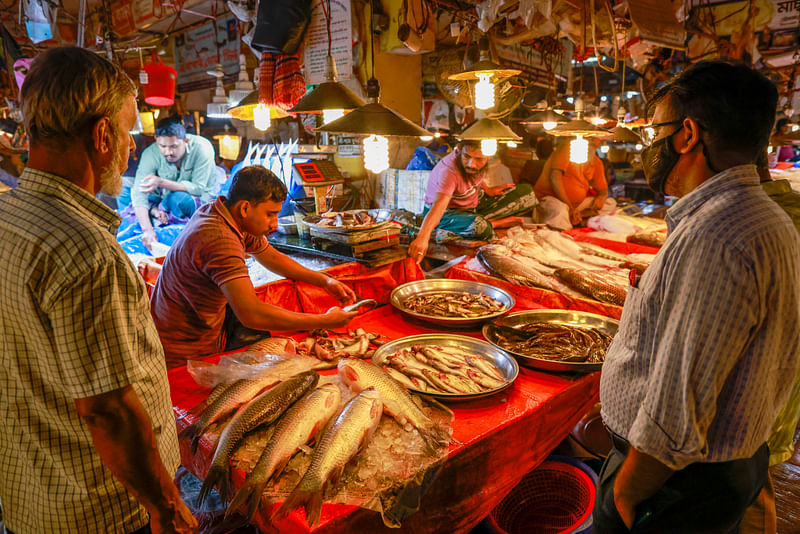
column 266, row 78
column 74, row 323
column 290, row 86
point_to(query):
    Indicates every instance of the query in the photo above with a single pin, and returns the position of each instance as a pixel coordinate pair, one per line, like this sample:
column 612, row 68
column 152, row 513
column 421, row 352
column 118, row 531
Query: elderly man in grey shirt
column 707, row 348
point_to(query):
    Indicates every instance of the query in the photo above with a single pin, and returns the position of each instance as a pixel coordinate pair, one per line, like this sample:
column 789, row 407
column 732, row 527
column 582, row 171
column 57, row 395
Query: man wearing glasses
column 707, row 346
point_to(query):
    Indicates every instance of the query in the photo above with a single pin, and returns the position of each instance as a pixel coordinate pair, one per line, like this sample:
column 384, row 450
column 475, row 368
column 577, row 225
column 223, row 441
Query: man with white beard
column 89, row 441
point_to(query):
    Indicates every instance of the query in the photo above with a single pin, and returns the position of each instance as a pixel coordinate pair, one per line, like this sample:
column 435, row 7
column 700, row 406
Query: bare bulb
column 261, row 117
column 579, row 150
column 484, row 92
column 329, row 115
column 376, row 153
column 549, row 125
column 489, row 147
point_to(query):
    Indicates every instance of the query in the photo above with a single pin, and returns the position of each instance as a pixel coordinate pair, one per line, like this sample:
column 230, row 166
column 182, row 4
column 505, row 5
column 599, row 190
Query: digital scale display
column 317, row 173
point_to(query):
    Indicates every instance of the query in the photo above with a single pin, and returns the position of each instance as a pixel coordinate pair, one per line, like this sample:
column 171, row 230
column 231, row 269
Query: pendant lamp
column 487, row 73
column 489, row 132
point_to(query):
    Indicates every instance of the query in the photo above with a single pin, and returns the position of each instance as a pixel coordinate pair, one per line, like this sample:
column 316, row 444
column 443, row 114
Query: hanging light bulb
column 579, row 150
column 639, row 146
column 329, row 115
column 484, row 91
column 261, row 117
column 489, row 147
column 511, row 144
column 604, row 149
column 549, row 125
column 376, row 153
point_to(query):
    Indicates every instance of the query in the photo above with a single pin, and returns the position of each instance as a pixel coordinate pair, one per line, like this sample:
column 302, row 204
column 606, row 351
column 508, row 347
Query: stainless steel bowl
column 568, row 317
column 446, row 285
column 499, row 358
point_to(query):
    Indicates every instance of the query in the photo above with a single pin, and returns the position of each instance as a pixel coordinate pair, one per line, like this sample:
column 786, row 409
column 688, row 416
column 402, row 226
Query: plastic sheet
column 531, row 298
column 496, row 441
column 582, row 234
column 247, row 364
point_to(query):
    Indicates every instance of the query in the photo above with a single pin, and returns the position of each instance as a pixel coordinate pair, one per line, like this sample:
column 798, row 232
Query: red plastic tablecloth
column 582, row 234
column 532, row 298
column 499, row 439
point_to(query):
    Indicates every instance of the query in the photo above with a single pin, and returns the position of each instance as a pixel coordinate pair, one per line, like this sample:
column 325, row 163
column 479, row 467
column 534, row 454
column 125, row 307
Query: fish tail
column 192, row 433
column 248, row 494
column 434, row 437
column 217, row 476
column 310, row 500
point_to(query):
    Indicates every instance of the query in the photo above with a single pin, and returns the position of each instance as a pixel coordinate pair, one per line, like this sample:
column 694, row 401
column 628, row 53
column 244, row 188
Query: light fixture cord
column 372, row 36
column 328, row 14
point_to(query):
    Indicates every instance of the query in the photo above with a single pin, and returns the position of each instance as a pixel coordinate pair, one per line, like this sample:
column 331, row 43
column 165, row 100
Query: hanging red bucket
column 160, row 87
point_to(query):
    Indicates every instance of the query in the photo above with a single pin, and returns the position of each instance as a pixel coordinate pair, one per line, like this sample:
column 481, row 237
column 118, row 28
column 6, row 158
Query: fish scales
column 299, row 425
column 397, row 401
column 343, row 439
column 593, row 285
column 263, row 409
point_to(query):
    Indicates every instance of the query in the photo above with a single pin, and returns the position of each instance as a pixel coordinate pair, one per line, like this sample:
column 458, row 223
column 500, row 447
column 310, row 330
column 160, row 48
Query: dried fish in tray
column 447, row 366
column 353, row 220
column 554, row 340
column 566, row 343
column 449, row 304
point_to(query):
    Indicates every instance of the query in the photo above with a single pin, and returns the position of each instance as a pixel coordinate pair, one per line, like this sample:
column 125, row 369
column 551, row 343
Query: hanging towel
column 290, row 86
column 266, row 79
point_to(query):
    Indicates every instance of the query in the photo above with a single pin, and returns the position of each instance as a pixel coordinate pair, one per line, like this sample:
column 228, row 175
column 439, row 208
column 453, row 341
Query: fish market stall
column 497, row 435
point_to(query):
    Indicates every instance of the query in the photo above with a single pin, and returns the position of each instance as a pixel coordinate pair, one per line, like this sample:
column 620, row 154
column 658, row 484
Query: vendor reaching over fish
column 204, row 301
column 458, row 199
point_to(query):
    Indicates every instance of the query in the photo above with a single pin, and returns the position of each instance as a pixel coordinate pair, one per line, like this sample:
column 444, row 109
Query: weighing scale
column 319, row 174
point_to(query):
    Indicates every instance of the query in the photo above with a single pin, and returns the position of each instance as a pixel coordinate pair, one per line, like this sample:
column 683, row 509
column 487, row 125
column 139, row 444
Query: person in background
column 204, row 301
column 785, row 152
column 761, row 516
column 175, row 175
column 89, row 441
column 713, row 320
column 458, row 200
column 571, row 192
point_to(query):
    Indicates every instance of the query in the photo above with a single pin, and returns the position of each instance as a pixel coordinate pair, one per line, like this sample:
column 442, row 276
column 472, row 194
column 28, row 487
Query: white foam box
column 402, row 189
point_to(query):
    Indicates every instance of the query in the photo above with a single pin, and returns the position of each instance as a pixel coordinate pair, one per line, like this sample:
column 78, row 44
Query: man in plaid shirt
column 89, row 441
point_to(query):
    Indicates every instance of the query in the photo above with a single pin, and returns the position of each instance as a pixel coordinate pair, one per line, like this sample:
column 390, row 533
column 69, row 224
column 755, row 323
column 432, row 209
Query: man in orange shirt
column 569, row 192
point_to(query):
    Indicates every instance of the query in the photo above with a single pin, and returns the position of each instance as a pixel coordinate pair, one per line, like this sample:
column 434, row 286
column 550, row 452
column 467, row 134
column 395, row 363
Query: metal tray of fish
column 382, row 218
column 504, row 363
column 447, row 285
column 565, row 317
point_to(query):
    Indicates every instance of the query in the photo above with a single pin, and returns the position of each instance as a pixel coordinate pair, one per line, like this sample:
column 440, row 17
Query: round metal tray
column 568, row 317
column 499, row 358
column 382, row 216
column 446, row 285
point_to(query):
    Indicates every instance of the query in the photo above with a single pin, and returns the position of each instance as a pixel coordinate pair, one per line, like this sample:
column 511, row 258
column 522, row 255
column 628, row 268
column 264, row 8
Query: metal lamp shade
column 548, row 115
column 484, row 66
column 489, row 129
column 244, row 110
column 328, row 95
column 374, row 119
column 623, row 134
column 578, row 127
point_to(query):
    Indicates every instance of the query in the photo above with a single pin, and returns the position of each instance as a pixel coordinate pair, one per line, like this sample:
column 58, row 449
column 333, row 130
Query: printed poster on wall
column 317, row 42
column 197, row 53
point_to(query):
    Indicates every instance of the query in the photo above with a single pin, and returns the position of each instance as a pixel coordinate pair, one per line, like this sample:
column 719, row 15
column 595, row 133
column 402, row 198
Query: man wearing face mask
column 459, row 201
column 707, row 346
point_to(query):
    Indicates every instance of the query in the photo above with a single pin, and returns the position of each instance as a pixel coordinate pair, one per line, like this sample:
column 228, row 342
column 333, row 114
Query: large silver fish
column 228, row 400
column 397, row 401
column 343, row 438
column 500, row 261
column 264, row 409
column 300, row 424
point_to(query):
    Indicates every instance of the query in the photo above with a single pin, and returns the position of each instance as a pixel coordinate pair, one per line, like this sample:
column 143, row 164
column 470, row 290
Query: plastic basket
column 160, row 88
column 554, row 498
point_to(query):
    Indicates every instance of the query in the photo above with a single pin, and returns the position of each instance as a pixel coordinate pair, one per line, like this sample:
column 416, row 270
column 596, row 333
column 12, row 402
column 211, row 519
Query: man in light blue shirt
column 176, row 174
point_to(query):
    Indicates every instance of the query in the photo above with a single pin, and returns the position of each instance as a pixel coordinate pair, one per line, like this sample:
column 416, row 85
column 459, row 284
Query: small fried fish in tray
column 551, row 341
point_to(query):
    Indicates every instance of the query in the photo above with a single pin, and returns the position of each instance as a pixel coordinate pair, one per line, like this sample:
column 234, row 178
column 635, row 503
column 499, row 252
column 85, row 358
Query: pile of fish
column 330, row 346
column 559, row 342
column 454, row 304
column 554, row 261
column 435, row 369
column 296, row 413
column 346, row 219
column 619, row 223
